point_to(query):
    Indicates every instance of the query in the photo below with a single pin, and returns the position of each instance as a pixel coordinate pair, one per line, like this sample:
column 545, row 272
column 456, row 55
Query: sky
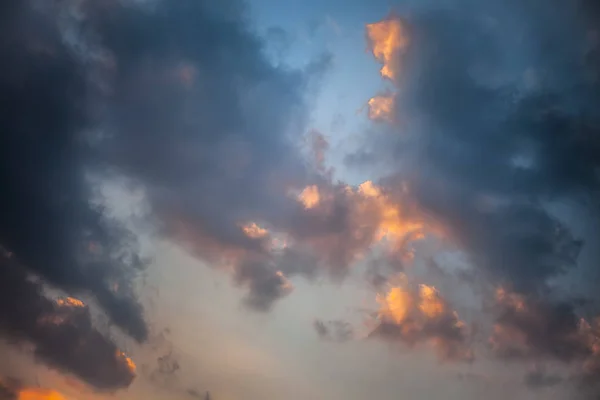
column 244, row 200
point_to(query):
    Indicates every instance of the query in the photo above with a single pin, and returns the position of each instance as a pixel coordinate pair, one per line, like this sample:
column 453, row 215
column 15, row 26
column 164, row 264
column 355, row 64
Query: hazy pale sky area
column 286, row 200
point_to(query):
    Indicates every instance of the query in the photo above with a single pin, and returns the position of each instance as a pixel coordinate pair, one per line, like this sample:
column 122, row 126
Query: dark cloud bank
column 498, row 135
column 176, row 96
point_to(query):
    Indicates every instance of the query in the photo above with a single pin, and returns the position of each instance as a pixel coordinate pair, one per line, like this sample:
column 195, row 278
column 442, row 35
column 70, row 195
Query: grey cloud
column 535, row 328
column 63, row 336
column 452, row 341
column 336, row 330
column 539, row 379
column 6, row 393
column 48, row 225
column 498, row 110
column 483, row 153
column 265, row 285
column 546, row 332
column 178, row 98
column 207, row 125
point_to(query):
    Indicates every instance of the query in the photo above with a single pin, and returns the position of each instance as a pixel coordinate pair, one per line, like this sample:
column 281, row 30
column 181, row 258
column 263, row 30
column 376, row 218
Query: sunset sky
column 318, row 199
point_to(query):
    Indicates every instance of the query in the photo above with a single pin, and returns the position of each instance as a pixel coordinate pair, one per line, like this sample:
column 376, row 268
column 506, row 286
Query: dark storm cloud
column 180, row 98
column 499, row 117
column 62, row 335
column 46, row 218
column 201, row 119
column 497, row 106
column 533, row 328
column 47, row 223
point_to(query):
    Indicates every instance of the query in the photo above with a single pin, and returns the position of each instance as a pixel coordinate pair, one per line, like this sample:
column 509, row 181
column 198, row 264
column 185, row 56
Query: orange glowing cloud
column 396, row 304
column 70, row 302
column 127, row 361
column 430, row 304
column 393, row 221
column 381, row 108
column 387, row 39
column 371, row 217
column 420, row 315
column 310, row 197
column 66, row 306
column 254, row 231
column 39, row 394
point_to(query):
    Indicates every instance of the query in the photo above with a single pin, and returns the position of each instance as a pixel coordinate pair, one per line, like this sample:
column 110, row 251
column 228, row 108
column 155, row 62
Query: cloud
column 387, row 39
column 327, row 230
column 496, row 211
column 530, row 328
column 337, row 330
column 415, row 316
column 499, row 125
column 381, row 108
column 483, row 153
column 539, row 379
column 49, row 228
column 48, row 221
column 216, row 150
column 177, row 98
column 61, row 332
column 344, row 224
column 181, row 100
column 200, row 119
column 6, row 393
column 14, row 391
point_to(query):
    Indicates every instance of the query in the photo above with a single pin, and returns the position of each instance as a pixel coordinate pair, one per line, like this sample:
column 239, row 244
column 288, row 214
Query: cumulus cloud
column 344, row 225
column 417, row 315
